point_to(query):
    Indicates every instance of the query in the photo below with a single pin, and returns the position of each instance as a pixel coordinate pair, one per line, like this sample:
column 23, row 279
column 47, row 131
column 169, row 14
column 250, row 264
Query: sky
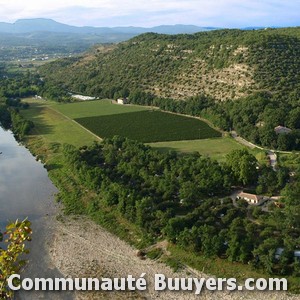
column 148, row 13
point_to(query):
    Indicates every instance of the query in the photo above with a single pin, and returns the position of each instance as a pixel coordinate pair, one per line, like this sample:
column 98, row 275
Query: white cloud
column 154, row 12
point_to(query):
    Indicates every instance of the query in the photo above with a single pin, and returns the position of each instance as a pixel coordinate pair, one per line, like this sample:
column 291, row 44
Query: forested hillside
column 225, row 64
column 258, row 70
column 11, row 90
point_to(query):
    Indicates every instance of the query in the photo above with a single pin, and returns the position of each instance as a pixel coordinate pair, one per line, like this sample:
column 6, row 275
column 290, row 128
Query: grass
column 216, row 148
column 214, row 265
column 55, row 127
column 155, row 253
column 149, row 126
column 95, row 108
column 53, row 121
column 222, row 268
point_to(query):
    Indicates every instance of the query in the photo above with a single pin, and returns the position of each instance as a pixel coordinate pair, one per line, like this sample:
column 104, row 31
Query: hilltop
column 225, row 64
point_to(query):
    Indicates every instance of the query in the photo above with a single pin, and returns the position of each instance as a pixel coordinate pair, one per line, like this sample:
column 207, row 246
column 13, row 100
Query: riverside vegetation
column 11, row 262
column 12, row 88
column 171, row 197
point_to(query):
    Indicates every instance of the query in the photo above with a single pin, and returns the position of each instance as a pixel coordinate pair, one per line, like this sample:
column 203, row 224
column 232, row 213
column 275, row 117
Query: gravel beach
column 81, row 248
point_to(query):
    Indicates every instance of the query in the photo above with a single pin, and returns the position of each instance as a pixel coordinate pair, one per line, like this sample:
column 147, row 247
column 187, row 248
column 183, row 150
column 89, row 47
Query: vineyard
column 149, row 126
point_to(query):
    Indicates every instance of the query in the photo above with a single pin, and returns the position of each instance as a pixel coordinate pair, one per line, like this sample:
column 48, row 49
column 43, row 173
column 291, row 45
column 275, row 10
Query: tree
column 173, row 228
column 10, row 262
column 266, row 252
column 189, row 193
column 240, row 244
column 292, row 205
column 211, row 243
column 243, row 166
column 267, row 181
column 282, row 177
column 293, row 121
column 268, row 137
column 284, row 142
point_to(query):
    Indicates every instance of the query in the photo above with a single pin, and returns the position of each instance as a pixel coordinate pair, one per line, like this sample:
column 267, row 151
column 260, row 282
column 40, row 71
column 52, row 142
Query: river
column 26, row 191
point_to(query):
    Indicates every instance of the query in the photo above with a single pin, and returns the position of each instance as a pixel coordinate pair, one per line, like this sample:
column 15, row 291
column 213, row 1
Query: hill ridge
column 225, row 64
column 49, row 25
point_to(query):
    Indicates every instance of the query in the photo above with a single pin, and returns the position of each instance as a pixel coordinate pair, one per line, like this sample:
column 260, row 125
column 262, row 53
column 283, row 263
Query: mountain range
column 49, row 34
column 48, row 25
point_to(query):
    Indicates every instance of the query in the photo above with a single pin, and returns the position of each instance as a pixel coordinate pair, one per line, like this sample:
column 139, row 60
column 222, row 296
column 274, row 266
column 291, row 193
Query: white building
column 250, row 198
column 122, row 101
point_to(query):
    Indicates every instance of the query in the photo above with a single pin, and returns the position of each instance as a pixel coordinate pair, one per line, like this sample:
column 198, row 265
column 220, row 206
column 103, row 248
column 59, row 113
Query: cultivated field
column 95, row 108
column 216, row 148
column 149, row 126
column 54, row 123
column 54, row 127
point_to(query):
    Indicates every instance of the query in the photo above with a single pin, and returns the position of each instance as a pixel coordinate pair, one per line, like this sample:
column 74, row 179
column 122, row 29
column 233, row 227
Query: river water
column 26, row 191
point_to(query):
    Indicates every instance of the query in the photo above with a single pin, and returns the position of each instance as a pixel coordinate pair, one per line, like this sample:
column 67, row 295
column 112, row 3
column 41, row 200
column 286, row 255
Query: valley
column 161, row 159
column 53, row 129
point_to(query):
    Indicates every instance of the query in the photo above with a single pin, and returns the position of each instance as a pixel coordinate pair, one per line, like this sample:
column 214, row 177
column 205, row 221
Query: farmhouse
column 122, row 101
column 250, row 198
column 282, row 130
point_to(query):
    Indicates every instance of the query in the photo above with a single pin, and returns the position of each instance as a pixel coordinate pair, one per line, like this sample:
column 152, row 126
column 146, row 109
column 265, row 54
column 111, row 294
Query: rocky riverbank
column 81, row 248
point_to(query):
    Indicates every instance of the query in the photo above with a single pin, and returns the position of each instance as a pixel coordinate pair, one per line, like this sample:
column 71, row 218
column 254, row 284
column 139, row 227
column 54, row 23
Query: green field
column 54, row 123
column 95, row 108
column 149, row 126
column 216, row 148
column 53, row 127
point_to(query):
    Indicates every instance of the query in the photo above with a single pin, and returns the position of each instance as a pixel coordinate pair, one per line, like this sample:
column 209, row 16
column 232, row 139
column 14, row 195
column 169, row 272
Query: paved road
column 243, row 141
column 251, row 145
column 271, row 153
column 273, row 159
